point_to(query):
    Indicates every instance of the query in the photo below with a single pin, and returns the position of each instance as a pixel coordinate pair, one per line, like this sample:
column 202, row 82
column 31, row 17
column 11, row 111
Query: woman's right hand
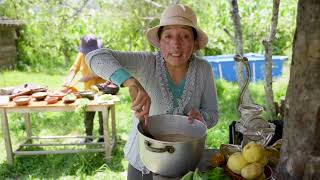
column 141, row 101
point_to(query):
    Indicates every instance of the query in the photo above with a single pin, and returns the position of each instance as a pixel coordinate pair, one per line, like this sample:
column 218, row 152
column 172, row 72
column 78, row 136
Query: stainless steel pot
column 172, row 157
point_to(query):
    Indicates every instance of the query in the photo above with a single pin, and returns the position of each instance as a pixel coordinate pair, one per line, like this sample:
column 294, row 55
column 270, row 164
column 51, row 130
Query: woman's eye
column 186, row 36
column 167, row 36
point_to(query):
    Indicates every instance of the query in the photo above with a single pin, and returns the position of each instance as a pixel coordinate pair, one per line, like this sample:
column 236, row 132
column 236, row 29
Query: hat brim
column 87, row 50
column 152, row 34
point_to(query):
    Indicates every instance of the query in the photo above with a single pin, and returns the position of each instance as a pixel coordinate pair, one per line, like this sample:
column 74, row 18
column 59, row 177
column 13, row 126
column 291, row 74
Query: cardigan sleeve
column 209, row 99
column 119, row 76
column 104, row 62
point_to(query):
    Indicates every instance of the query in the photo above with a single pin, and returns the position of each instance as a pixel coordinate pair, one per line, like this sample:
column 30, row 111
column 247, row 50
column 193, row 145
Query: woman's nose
column 176, row 41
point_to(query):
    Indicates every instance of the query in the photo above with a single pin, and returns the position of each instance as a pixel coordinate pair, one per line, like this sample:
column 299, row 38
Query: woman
column 88, row 43
column 172, row 81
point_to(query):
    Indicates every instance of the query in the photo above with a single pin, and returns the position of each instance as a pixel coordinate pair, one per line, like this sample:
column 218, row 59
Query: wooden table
column 41, row 106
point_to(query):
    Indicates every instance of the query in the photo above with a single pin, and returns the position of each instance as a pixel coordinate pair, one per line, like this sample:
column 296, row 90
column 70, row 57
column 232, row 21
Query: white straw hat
column 177, row 15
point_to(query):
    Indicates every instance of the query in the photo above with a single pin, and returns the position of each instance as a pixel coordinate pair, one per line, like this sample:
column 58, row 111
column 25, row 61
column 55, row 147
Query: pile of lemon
column 250, row 162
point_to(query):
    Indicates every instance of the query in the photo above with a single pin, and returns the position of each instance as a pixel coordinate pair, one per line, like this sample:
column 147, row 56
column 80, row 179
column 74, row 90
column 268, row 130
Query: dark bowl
column 41, row 89
column 87, row 94
column 109, row 90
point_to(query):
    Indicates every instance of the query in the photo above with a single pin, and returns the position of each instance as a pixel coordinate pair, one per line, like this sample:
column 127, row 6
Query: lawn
column 91, row 165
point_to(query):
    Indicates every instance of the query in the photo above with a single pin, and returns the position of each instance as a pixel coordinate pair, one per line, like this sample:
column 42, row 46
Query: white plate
column 4, row 100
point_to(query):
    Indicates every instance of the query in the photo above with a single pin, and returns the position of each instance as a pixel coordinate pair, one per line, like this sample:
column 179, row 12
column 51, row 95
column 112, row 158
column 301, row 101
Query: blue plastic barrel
column 223, row 66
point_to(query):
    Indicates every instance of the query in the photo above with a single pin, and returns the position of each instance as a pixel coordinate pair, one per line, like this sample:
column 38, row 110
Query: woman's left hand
column 194, row 114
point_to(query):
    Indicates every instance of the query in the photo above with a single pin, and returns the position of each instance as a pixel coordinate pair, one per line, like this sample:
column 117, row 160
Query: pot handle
column 169, row 149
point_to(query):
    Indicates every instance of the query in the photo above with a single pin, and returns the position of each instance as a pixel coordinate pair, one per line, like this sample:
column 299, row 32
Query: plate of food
column 105, row 99
column 39, row 96
column 69, row 98
column 57, row 94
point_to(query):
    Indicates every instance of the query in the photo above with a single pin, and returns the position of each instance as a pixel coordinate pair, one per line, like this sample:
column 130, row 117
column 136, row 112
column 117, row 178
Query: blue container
column 224, row 66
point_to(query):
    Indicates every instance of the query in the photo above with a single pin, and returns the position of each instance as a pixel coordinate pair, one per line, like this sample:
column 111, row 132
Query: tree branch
column 78, row 11
column 157, row 5
column 237, row 25
column 230, row 35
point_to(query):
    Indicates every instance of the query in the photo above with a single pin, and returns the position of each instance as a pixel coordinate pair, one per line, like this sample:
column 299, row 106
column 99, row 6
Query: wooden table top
column 39, row 106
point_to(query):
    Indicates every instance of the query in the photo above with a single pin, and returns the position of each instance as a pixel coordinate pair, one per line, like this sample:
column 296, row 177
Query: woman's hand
column 195, row 114
column 141, row 101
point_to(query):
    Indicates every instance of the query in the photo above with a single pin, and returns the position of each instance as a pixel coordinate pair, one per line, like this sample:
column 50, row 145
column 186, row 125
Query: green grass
column 92, row 166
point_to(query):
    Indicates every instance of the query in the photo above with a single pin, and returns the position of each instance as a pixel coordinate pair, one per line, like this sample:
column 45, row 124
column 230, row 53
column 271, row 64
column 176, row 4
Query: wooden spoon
column 133, row 91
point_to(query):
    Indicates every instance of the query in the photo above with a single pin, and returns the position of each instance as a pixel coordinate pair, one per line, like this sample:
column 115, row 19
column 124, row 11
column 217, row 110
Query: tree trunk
column 270, row 108
column 300, row 153
column 239, row 48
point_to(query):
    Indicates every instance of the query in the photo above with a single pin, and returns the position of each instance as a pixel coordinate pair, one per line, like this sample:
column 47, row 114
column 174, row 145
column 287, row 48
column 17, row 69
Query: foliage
column 52, row 29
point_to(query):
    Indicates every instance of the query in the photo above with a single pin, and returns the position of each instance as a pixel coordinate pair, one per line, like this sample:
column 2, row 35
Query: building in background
column 8, row 41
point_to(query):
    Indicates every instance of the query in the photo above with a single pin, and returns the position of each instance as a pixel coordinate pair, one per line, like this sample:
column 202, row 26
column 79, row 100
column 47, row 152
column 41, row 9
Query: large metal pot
column 180, row 148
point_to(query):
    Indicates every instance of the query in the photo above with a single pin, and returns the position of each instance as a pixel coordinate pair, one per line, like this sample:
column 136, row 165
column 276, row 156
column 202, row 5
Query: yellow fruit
column 252, row 171
column 264, row 160
column 253, row 152
column 261, row 177
column 236, row 162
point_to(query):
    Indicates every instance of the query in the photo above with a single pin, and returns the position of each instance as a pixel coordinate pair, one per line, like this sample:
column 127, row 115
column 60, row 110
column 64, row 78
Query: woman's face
column 176, row 45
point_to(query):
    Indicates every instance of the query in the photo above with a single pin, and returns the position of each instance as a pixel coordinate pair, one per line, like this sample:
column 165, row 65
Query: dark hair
column 194, row 32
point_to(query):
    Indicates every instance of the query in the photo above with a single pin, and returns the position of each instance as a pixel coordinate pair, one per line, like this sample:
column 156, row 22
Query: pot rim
column 170, row 142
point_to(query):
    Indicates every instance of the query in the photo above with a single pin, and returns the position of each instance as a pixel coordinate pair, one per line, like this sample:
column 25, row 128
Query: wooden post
column 6, row 136
column 27, row 123
column 113, row 124
column 107, row 145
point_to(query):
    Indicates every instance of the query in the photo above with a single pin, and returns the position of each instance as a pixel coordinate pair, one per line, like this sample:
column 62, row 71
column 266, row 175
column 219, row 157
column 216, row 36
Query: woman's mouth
column 176, row 54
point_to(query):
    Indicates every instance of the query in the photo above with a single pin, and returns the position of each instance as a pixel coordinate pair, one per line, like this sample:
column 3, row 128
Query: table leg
column 113, row 124
column 27, row 123
column 107, row 145
column 6, row 136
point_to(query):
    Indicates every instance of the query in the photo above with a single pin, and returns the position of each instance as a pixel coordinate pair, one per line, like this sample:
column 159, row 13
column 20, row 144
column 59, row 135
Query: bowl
column 22, row 92
column 87, row 94
column 69, row 98
column 51, row 100
column 40, row 96
column 22, row 100
column 40, row 89
column 57, row 94
column 4, row 100
column 108, row 89
column 267, row 172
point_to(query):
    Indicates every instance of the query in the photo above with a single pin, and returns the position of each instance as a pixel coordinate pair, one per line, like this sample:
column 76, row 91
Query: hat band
column 177, row 20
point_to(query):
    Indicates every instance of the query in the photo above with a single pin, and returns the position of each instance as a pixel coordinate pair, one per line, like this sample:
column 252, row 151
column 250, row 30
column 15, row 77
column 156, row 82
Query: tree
column 300, row 152
column 270, row 108
column 238, row 41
